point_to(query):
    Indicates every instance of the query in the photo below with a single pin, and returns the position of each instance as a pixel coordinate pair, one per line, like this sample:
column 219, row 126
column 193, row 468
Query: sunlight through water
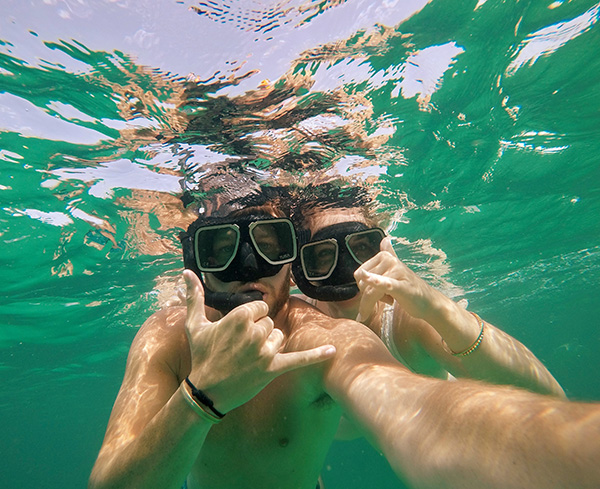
column 473, row 125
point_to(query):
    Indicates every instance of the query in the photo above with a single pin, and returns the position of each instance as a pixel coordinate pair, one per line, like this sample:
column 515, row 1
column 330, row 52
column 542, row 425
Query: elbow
column 558, row 391
column 95, row 482
column 549, row 387
column 99, row 479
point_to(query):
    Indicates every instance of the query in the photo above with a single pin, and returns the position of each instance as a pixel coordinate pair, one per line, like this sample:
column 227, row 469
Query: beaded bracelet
column 475, row 345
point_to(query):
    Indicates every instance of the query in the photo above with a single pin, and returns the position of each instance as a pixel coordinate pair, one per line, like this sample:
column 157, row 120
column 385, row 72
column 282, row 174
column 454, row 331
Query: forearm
column 497, row 358
column 159, row 457
column 469, row 435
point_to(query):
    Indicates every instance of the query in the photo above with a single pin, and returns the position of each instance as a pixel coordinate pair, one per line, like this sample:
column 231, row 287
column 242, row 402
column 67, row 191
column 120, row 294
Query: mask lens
column 216, row 246
column 274, row 240
column 364, row 245
column 319, row 259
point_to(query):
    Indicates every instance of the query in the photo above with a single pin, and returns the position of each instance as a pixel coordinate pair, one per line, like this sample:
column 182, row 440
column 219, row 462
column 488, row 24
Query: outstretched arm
column 466, row 434
column 497, row 358
column 156, row 431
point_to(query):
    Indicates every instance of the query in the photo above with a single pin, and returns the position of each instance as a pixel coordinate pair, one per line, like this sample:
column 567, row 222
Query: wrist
column 200, row 402
column 442, row 312
column 473, row 346
column 458, row 327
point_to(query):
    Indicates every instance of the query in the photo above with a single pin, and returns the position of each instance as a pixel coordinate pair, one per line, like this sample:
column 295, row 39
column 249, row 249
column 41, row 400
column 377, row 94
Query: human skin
column 471, row 435
column 424, row 316
column 460, row 434
column 249, row 364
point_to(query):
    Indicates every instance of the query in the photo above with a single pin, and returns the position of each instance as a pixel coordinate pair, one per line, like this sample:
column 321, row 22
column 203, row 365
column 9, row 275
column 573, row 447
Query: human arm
column 154, row 436
column 428, row 317
column 467, row 434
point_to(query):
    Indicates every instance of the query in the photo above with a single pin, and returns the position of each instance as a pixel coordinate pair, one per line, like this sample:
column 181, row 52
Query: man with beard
column 255, row 355
column 248, row 393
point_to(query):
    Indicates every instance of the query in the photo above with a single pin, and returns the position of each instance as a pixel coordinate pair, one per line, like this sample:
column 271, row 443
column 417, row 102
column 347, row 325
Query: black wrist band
column 202, row 398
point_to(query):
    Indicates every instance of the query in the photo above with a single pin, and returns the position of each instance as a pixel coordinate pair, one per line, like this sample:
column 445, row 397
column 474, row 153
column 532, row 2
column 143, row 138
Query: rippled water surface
column 475, row 125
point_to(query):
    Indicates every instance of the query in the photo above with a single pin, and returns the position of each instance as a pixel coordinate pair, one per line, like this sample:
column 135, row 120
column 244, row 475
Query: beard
column 281, row 296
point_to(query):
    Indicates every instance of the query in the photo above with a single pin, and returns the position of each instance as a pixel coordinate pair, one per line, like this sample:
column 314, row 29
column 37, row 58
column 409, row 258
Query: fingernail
column 331, row 350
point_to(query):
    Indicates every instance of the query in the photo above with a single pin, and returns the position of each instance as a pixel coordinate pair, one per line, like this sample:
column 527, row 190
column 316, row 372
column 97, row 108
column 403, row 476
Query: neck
column 281, row 320
column 341, row 309
column 349, row 310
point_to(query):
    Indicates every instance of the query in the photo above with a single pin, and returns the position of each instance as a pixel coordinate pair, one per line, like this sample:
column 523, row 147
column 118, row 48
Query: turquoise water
column 476, row 122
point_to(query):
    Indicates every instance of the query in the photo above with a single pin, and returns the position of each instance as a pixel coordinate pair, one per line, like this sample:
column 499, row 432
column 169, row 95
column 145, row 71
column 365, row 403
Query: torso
column 278, row 440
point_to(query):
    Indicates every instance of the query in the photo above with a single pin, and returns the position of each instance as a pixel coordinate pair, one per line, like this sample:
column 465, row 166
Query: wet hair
column 272, row 200
column 275, row 201
column 316, row 198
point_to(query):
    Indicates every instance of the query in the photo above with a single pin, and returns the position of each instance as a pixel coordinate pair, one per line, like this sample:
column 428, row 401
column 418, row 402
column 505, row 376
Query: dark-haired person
column 250, row 396
column 348, row 269
column 232, row 391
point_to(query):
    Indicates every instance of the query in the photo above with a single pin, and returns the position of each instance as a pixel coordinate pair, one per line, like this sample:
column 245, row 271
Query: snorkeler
column 251, row 398
column 348, row 268
column 236, row 395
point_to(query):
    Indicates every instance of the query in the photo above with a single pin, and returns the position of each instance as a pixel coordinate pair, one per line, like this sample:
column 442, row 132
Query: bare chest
column 277, row 440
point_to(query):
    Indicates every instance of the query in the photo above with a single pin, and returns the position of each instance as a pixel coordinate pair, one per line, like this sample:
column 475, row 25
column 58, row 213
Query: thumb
column 386, row 245
column 373, row 288
column 194, row 297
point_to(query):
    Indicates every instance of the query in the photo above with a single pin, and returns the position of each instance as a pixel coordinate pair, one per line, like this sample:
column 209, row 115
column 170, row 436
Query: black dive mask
column 242, row 249
column 324, row 269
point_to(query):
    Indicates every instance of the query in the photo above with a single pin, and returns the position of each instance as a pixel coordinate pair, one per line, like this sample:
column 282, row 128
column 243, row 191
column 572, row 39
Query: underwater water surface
column 476, row 124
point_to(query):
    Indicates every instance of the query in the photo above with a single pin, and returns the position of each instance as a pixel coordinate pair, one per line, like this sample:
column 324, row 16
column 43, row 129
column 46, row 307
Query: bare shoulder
column 164, row 323
column 306, row 316
column 357, row 348
column 312, row 328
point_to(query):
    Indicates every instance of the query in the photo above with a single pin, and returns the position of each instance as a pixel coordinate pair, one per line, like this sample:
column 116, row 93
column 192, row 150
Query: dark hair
column 312, row 198
column 274, row 200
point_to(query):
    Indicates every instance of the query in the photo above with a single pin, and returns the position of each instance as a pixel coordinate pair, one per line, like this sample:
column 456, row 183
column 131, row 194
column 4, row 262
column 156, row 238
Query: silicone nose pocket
column 248, row 258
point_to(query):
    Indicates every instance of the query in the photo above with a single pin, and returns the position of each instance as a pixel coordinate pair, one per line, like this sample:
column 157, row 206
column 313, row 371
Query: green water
column 476, row 121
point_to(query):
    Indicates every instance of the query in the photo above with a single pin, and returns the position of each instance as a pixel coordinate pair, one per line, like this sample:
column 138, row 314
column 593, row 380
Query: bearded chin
column 282, row 297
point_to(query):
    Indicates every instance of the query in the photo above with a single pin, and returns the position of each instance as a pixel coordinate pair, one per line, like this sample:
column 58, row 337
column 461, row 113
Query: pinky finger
column 284, row 362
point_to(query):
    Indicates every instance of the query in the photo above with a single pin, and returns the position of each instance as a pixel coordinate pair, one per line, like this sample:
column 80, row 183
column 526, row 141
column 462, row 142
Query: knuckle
column 256, row 335
column 252, row 310
column 277, row 335
column 240, row 314
column 268, row 324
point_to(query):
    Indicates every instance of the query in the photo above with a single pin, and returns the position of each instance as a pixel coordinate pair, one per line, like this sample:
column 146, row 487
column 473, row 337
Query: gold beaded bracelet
column 198, row 409
column 475, row 345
